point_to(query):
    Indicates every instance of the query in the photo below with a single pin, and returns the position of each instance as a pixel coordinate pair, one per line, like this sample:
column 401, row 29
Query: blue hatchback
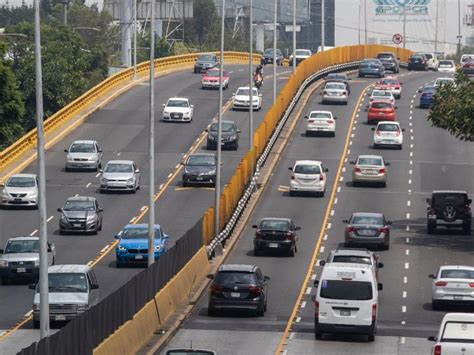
column 426, row 97
column 132, row 247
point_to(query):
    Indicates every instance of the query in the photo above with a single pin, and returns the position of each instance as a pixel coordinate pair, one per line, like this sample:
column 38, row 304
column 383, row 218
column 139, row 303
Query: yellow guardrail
column 51, row 125
column 242, row 175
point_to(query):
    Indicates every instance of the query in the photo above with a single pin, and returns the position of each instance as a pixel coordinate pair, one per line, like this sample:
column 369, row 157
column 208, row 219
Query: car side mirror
column 137, row 171
column 345, row 221
column 239, row 131
column 316, row 283
column 1, row 251
column 192, row 106
column 206, row 130
column 373, row 128
column 66, row 151
column 380, row 265
column 100, row 209
column 419, row 90
column 469, row 201
column 254, row 226
column 59, row 210
column 101, row 170
column 298, row 228
column 259, row 95
column 100, row 150
column 380, row 287
column 432, row 338
column 266, row 278
column 233, row 94
column 352, row 162
column 387, row 163
column 335, row 118
column 290, row 168
column 117, row 236
column 428, row 201
column 32, row 286
column 322, row 262
column 389, row 223
column 306, row 116
column 403, row 129
column 401, row 84
column 432, row 276
column 396, row 107
column 326, row 170
column 94, row 287
column 210, row 276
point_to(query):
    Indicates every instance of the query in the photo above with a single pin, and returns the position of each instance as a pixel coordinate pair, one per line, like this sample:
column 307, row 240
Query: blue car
column 132, row 247
column 426, row 97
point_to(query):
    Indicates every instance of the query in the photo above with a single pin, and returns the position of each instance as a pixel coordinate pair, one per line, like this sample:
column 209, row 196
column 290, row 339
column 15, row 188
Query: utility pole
column 219, row 128
column 459, row 30
column 322, row 26
column 436, row 27
column 360, row 5
column 43, row 235
column 404, row 25
column 251, row 75
column 134, row 39
column 151, row 157
column 365, row 22
column 65, row 4
column 294, row 35
column 275, row 8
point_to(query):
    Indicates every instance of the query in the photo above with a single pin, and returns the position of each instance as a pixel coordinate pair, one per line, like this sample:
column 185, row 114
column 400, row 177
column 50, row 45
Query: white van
column 346, row 300
column 455, row 335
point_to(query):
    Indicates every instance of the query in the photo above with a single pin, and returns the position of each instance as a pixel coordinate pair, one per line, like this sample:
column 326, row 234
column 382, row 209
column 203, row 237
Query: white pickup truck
column 455, row 335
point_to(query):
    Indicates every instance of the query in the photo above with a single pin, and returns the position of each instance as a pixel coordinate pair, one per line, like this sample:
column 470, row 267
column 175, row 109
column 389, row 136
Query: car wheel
column 208, row 147
column 261, row 311
column 53, row 262
column 384, row 184
column 236, row 146
column 211, row 312
column 118, row 265
column 36, row 324
column 435, row 306
column 466, row 227
column 318, row 335
column 292, row 193
column 376, row 146
column 95, row 231
column 265, row 306
column 386, row 246
column 5, row 280
column 355, row 183
column 256, row 252
column 333, row 134
column 61, row 232
column 400, row 147
column 431, row 227
column 100, row 227
column 67, row 169
column 292, row 252
column 371, row 337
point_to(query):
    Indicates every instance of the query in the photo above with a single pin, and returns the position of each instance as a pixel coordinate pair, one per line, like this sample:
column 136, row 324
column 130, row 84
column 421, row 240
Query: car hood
column 139, row 243
column 178, row 109
column 82, row 155
column 19, row 190
column 201, row 62
column 20, row 257
column 224, row 134
column 214, row 78
column 78, row 214
column 117, row 176
column 196, row 169
column 64, row 298
column 245, row 97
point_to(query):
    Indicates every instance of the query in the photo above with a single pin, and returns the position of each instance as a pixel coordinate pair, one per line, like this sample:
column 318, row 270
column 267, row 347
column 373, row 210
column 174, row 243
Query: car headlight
column 32, row 193
column 36, row 262
column 63, row 218
column 212, row 172
column 103, row 180
column 233, row 137
column 157, row 247
column 121, row 248
column 3, row 263
column 130, row 181
column 166, row 112
column 69, row 158
column 82, row 307
column 92, row 159
column 90, row 217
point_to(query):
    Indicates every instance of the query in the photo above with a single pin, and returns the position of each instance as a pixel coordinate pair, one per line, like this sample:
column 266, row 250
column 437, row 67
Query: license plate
column 457, row 298
column 273, row 245
column 365, row 232
column 235, row 294
column 345, row 313
column 18, row 200
column 370, row 172
column 77, row 225
column 200, row 178
column 21, row 269
column 60, row 317
column 138, row 257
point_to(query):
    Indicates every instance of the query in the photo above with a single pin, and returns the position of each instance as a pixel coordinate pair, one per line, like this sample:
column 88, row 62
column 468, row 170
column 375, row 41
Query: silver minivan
column 73, row 289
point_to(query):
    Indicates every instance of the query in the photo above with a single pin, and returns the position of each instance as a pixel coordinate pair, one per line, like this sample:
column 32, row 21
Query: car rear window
column 367, row 220
column 458, row 332
column 352, row 259
column 346, row 290
column 385, row 56
column 381, row 93
column 446, row 64
column 389, row 82
column 320, row 115
column 369, row 161
column 440, row 200
column 457, row 274
column 429, row 90
column 274, row 224
column 387, row 127
column 233, row 277
column 307, row 169
column 335, row 86
column 381, row 105
column 428, row 55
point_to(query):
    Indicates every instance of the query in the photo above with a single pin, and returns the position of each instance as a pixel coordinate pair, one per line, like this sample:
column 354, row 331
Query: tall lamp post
column 275, row 8
column 251, row 74
column 151, row 153
column 294, row 35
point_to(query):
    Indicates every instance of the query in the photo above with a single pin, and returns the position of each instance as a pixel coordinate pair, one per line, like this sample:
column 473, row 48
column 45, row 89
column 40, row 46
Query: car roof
column 120, row 162
column 238, row 267
column 388, row 122
column 203, row 154
column 245, row 88
column 276, row 219
column 352, row 251
column 81, row 198
column 369, row 214
column 25, row 237
column 307, row 162
column 369, row 156
column 360, row 271
column 468, row 317
column 23, row 175
column 320, row 111
column 449, row 192
column 456, row 267
column 386, row 53
column 178, row 99
column 140, row 226
column 69, row 268
column 84, row 141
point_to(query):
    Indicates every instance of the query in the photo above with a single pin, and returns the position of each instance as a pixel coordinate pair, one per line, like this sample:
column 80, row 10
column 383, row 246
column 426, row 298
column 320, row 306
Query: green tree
column 453, row 108
column 12, row 107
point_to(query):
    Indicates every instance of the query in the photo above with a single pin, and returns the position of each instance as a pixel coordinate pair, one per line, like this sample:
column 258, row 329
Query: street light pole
column 151, row 211
column 459, row 30
column 322, row 26
column 294, row 35
column 43, row 277
column 219, row 128
column 274, row 49
column 251, row 75
column 404, row 25
column 436, row 27
column 365, row 21
column 134, row 39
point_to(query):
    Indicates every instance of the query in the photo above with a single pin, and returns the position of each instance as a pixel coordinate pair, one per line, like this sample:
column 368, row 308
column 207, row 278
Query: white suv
column 308, row 176
column 432, row 61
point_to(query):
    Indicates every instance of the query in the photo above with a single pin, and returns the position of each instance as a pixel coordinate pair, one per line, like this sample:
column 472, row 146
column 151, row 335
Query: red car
column 392, row 84
column 211, row 79
column 380, row 111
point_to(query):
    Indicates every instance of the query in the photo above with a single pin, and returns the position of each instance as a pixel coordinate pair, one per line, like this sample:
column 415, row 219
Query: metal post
column 134, row 39
column 219, row 128
column 43, row 279
column 459, row 31
column 436, row 28
column 360, row 5
column 404, row 25
column 323, row 32
column 365, row 21
column 151, row 212
column 65, row 12
column 274, row 49
column 251, row 74
column 294, row 35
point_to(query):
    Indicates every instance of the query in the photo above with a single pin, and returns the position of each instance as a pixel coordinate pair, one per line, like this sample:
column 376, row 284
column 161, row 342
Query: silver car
column 369, row 169
column 370, row 229
column 452, row 284
column 20, row 258
column 120, row 175
column 80, row 214
column 20, row 190
column 83, row 154
column 335, row 92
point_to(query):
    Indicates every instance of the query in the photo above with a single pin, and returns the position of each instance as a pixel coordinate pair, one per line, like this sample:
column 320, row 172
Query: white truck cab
column 346, row 300
column 455, row 335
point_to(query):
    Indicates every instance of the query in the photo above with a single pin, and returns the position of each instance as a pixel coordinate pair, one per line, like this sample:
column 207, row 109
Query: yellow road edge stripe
column 17, row 326
column 323, row 228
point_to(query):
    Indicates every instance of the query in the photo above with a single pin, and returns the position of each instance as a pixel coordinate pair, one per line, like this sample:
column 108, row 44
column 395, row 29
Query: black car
column 418, row 62
column 80, row 214
column 229, row 138
column 339, row 78
column 204, row 62
column 238, row 287
column 389, row 61
column 267, row 57
column 450, row 209
column 275, row 234
column 200, row 168
column 371, row 67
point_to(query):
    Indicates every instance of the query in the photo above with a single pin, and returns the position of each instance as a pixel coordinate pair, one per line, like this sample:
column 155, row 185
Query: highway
column 431, row 159
column 122, row 130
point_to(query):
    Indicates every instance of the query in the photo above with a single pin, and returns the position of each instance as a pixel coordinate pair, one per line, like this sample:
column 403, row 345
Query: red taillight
column 397, row 87
column 383, row 229
column 374, row 312
column 441, row 283
column 216, row 288
column 381, row 171
column 255, row 289
column 321, row 177
column 311, row 121
column 357, row 170
column 330, row 121
column 437, row 350
column 471, row 284
column 351, row 229
column 316, row 309
column 398, row 133
column 292, row 176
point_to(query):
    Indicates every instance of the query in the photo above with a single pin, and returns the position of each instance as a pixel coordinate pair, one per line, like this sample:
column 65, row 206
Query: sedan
column 204, row 62
column 382, row 95
column 446, row 66
column 83, row 154
column 335, row 92
column 229, row 135
column 20, row 190
column 370, row 229
column 339, row 78
column 371, row 67
column 426, row 97
column 468, row 67
column 418, row 62
column 390, row 83
column 178, row 109
column 320, row 122
column 380, row 111
column 242, row 99
column 369, row 169
column 80, row 214
column 308, row 176
column 200, row 168
column 444, row 81
column 267, row 57
column 452, row 284
column 210, row 80
column 388, row 134
column 277, row 234
column 120, row 175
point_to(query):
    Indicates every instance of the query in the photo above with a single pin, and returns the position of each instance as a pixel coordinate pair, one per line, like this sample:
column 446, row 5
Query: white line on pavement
column 303, row 304
column 34, row 232
column 50, row 218
column 104, row 248
column 308, row 290
column 408, row 215
column 404, row 295
column 407, row 251
column 405, row 279
column 321, row 250
column 407, row 266
column 404, row 309
column 88, row 184
column 329, row 226
column 97, row 175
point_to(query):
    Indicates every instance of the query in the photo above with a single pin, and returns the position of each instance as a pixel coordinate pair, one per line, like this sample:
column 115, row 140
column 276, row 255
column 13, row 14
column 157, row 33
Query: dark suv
column 389, row 61
column 449, row 209
column 204, row 62
column 275, row 234
column 237, row 287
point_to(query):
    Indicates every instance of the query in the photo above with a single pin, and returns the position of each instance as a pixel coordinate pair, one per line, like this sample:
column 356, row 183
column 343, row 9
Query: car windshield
column 215, row 73
column 446, row 64
column 429, row 90
column 206, row 58
column 82, row 148
column 381, row 105
column 235, row 277
column 75, row 205
column 200, row 160
column 301, row 52
column 458, row 332
column 388, row 127
column 346, row 290
column 389, row 82
column 370, row 161
column 246, row 92
column 119, row 168
column 457, row 274
column 442, row 200
column 269, row 224
column 320, row 115
column 335, row 86
column 359, row 219
column 177, row 103
column 21, row 181
column 334, row 76
column 270, row 51
column 385, row 56
column 428, row 55
column 22, row 246
column 307, row 169
column 67, row 282
column 444, row 81
column 226, row 127
column 138, row 233
column 352, row 259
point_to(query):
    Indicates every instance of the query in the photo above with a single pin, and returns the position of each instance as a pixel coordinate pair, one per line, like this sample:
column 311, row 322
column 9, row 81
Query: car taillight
column 437, row 350
column 357, row 170
column 255, row 289
column 383, row 229
column 397, row 133
column 441, row 283
column 330, row 121
column 316, row 309
column 292, row 176
column 471, row 284
column 321, row 177
column 311, row 121
column 377, row 133
column 382, row 170
column 216, row 288
column 374, row 312
column 351, row 229
column 397, row 87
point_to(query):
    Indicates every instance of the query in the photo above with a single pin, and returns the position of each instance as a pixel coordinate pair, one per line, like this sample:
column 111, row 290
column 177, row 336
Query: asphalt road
column 430, row 159
column 122, row 130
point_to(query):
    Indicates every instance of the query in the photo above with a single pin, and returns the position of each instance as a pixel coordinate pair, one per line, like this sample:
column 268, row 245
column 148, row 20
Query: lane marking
column 408, row 204
column 407, row 266
column 303, row 304
column 407, row 252
column 408, row 215
column 298, row 319
column 97, row 175
column 283, row 188
column 404, row 294
column 405, row 279
column 88, row 184
column 104, row 248
column 404, row 309
column 308, row 290
column 321, row 250
column 34, row 232
column 50, row 218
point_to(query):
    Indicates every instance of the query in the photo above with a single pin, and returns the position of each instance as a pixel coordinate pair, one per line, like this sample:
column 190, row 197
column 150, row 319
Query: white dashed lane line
column 50, row 218
column 34, row 232
column 89, row 184
column 97, row 175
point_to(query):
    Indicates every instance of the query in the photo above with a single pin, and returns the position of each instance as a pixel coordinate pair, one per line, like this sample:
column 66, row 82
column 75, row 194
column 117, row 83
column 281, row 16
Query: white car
column 20, row 190
column 447, row 66
column 388, row 134
column 444, row 81
column 382, row 95
column 320, row 122
column 178, row 109
column 466, row 57
column 335, row 92
column 455, row 335
column 83, row 154
column 120, row 175
column 301, row 54
column 308, row 176
column 242, row 99
column 452, row 284
column 432, row 61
